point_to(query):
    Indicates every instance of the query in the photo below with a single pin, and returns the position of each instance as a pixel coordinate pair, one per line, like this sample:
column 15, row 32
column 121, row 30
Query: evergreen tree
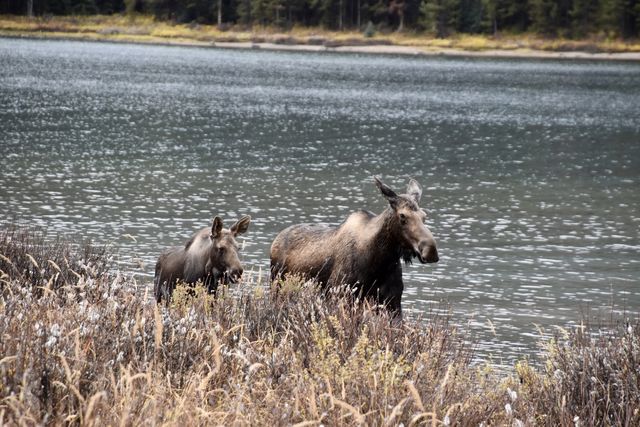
column 84, row 7
column 583, row 17
column 327, row 11
column 130, row 6
column 514, row 15
column 544, row 16
column 412, row 12
column 243, row 11
column 439, row 17
column 490, row 11
column 470, row 16
column 618, row 17
column 108, row 7
column 260, row 11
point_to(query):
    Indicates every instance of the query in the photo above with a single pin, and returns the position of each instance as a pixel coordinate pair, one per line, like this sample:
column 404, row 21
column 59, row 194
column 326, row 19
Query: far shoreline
column 371, row 49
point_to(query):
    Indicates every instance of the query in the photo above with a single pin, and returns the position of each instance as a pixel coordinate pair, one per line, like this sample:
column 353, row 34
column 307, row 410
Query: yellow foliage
column 143, row 28
column 369, row 365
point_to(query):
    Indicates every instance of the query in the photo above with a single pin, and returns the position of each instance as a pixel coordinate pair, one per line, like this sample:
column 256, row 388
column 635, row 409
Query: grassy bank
column 145, row 29
column 81, row 345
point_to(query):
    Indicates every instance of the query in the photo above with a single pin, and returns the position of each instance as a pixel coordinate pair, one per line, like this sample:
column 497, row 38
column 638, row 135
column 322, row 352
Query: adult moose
column 364, row 251
column 210, row 256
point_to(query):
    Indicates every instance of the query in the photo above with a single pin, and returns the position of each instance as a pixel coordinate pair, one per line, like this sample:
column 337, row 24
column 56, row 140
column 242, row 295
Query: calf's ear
column 216, row 228
column 387, row 192
column 241, row 225
column 414, row 190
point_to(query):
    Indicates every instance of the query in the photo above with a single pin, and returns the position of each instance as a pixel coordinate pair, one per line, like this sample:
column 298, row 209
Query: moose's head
column 408, row 220
column 223, row 255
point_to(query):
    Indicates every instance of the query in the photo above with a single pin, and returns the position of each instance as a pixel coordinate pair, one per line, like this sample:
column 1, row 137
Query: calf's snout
column 234, row 274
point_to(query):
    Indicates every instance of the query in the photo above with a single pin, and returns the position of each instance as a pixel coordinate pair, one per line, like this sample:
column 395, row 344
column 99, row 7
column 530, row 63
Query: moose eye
column 221, row 250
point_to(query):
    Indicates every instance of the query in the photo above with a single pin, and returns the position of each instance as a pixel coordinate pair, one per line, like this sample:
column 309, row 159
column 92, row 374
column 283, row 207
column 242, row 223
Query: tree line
column 567, row 18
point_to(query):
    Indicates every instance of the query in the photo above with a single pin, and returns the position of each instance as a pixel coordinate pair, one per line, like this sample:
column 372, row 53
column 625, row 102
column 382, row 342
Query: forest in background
column 439, row 18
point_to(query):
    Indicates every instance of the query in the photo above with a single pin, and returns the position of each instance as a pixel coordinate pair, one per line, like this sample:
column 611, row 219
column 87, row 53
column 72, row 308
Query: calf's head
column 223, row 255
column 408, row 222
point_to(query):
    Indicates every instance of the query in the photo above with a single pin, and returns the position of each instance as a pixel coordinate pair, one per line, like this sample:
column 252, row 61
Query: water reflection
column 530, row 169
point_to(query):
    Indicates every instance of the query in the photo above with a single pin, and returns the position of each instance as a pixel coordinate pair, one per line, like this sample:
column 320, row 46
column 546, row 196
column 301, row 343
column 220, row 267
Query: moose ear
column 241, row 225
column 387, row 192
column 414, row 190
column 216, row 228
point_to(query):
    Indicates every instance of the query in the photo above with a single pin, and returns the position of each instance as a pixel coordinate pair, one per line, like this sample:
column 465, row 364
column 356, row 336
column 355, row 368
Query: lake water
column 530, row 168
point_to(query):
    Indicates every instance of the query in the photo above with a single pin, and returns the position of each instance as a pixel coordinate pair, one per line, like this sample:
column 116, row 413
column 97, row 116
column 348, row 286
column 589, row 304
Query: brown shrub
column 79, row 345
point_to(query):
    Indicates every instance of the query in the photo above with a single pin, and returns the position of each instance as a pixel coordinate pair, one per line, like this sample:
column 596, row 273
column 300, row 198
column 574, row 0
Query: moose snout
column 428, row 252
column 234, row 274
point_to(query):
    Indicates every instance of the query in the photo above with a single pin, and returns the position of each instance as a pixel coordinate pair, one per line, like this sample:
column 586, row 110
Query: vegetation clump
column 590, row 377
column 81, row 344
column 369, row 30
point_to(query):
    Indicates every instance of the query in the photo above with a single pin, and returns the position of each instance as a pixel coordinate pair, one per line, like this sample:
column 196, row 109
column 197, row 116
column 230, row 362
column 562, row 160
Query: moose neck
column 385, row 241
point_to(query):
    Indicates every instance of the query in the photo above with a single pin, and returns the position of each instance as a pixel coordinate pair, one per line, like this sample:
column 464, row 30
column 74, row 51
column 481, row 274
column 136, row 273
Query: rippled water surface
column 531, row 169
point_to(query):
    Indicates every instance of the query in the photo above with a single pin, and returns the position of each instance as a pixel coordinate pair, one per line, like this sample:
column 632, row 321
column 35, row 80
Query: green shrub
column 369, row 30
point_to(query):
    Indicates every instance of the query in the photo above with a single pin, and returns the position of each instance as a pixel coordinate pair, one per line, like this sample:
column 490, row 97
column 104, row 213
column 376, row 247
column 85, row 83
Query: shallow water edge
column 369, row 49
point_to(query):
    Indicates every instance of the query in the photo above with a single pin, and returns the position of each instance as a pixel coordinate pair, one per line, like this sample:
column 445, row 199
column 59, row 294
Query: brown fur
column 364, row 251
column 209, row 256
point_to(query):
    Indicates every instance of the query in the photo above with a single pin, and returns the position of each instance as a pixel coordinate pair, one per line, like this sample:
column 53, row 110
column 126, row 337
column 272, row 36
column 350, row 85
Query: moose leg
column 157, row 293
column 157, row 282
column 391, row 295
column 163, row 288
column 277, row 270
column 395, row 309
column 211, row 284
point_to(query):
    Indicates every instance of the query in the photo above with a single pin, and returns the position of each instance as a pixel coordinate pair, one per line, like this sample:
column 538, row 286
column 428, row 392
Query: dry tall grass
column 590, row 377
column 79, row 345
column 145, row 29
